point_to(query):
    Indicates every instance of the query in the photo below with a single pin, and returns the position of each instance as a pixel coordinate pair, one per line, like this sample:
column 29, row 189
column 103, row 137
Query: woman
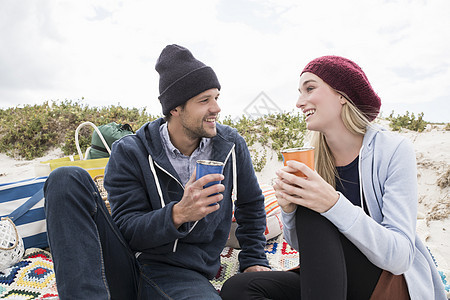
column 353, row 220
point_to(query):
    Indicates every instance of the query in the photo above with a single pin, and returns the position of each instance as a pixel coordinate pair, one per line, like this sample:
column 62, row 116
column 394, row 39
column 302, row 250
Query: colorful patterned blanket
column 34, row 278
column 280, row 255
column 31, row 278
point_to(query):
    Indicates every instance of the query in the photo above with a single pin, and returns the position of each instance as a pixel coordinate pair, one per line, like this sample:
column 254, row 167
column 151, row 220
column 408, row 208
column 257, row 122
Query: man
column 175, row 228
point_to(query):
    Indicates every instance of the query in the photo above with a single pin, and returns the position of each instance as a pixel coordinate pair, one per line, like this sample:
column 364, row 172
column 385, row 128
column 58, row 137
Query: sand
column 433, row 163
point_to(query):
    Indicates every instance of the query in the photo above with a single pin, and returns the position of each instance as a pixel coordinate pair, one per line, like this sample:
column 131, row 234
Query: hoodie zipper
column 158, row 187
column 360, row 179
column 361, row 192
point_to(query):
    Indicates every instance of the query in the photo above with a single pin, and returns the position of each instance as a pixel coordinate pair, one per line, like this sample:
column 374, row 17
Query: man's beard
column 197, row 132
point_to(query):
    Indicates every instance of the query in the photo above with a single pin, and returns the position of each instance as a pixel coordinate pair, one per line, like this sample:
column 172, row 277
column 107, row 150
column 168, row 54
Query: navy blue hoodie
column 143, row 186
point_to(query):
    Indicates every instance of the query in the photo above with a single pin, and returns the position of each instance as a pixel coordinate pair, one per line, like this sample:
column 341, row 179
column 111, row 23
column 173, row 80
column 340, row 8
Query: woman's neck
column 345, row 146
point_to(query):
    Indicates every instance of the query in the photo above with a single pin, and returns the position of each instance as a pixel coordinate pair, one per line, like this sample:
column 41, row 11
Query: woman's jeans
column 91, row 258
column 323, row 273
column 322, row 267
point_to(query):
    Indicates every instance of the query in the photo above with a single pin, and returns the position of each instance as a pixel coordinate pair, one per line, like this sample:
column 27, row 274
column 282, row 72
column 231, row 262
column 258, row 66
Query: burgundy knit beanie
column 181, row 77
column 345, row 76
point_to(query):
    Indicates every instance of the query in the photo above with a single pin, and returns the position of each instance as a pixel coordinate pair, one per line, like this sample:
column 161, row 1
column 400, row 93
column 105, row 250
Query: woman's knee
column 262, row 285
column 236, row 286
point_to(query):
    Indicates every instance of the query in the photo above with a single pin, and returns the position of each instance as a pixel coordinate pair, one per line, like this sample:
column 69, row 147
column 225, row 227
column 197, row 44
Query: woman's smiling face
column 320, row 104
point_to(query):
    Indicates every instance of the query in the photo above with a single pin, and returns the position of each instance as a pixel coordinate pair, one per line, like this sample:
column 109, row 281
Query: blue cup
column 205, row 167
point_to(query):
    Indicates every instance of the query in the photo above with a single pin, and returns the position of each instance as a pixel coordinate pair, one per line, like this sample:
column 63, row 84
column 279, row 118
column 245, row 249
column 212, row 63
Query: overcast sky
column 105, row 51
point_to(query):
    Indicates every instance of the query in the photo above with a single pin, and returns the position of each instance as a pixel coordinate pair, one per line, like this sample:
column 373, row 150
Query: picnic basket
column 98, row 180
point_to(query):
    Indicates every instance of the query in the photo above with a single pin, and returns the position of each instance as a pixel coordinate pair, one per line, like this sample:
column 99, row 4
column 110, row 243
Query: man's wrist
column 177, row 216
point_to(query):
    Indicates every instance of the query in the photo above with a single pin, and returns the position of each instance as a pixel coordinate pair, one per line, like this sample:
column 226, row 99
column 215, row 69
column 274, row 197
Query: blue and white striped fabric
column 31, row 225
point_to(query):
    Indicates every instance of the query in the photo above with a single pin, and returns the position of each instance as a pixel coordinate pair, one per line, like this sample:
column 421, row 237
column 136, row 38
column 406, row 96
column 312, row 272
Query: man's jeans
column 162, row 281
column 91, row 258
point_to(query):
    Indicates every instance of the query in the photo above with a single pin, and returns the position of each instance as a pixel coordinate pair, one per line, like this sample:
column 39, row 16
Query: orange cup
column 303, row 154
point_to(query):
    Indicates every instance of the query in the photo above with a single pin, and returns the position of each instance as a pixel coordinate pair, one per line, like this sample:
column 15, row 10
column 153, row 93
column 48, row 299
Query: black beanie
column 182, row 77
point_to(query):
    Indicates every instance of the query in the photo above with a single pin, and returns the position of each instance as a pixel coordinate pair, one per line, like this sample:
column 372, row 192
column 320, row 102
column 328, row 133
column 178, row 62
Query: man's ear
column 175, row 111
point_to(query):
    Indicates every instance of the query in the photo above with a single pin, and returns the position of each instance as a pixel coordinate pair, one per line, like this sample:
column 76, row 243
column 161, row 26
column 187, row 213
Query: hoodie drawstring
column 360, row 179
column 234, row 192
column 158, row 186
column 234, row 169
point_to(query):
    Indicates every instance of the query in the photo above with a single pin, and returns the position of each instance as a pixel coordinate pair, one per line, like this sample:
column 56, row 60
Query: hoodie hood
column 369, row 138
column 150, row 137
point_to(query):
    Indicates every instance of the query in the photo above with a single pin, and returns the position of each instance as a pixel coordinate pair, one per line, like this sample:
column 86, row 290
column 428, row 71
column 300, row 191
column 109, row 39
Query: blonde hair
column 355, row 121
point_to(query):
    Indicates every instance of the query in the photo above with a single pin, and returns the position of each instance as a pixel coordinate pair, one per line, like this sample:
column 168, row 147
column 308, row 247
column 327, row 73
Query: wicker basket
column 11, row 244
column 99, row 183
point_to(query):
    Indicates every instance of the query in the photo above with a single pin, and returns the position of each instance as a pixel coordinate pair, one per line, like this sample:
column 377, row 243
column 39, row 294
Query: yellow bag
column 93, row 166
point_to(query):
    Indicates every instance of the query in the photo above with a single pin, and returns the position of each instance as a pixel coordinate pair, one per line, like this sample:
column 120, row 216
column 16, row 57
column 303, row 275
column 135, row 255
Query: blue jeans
column 91, row 258
column 162, row 281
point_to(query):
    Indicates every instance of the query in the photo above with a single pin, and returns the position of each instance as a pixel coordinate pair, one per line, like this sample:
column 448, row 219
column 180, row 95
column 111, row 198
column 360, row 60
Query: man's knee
column 65, row 184
column 63, row 177
column 67, row 173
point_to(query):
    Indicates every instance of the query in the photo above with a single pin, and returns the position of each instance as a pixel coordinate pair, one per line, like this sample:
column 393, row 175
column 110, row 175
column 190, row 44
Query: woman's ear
column 342, row 100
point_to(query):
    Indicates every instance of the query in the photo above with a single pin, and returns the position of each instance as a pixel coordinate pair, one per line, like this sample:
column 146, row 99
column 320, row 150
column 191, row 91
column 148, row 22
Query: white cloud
column 105, row 51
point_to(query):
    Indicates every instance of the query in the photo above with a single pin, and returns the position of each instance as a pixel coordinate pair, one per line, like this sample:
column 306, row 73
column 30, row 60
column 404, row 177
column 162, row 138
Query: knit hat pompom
column 181, row 77
column 347, row 77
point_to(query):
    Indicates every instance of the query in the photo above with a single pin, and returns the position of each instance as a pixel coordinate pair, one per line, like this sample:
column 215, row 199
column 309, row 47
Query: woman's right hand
column 285, row 204
column 312, row 191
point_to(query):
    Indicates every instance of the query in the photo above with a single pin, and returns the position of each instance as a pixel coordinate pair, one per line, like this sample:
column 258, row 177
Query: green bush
column 274, row 131
column 407, row 121
column 29, row 131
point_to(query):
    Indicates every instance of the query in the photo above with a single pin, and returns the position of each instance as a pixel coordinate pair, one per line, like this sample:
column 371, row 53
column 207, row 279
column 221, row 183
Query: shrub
column 274, row 131
column 29, row 131
column 444, row 180
column 407, row 121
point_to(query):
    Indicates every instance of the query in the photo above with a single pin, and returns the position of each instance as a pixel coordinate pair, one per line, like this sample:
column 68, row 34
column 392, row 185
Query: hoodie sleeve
column 289, row 229
column 388, row 244
column 142, row 221
column 249, row 211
